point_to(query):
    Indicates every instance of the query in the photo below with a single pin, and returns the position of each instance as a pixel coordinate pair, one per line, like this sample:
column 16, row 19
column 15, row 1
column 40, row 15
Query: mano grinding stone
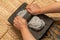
column 36, row 23
column 24, row 14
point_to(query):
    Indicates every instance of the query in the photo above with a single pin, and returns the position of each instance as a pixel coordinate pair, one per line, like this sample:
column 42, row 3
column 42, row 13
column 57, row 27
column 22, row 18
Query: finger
column 15, row 25
column 16, row 19
column 15, row 22
column 29, row 11
column 21, row 20
column 37, row 5
column 28, row 6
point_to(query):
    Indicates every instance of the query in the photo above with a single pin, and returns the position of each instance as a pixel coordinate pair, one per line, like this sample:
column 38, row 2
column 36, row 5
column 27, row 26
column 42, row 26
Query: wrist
column 42, row 10
column 23, row 28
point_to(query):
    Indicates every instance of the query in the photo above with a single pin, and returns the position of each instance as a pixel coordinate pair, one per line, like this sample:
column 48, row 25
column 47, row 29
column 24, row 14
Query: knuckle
column 13, row 20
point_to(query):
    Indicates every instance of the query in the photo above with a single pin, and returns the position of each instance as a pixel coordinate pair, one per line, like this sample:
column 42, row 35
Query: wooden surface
column 7, row 7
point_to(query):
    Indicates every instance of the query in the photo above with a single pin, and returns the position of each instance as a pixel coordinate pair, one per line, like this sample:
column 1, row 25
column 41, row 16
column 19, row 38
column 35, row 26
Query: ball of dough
column 36, row 23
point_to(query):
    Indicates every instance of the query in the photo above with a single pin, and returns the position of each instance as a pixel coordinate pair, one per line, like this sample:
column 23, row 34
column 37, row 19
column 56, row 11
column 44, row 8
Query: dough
column 36, row 23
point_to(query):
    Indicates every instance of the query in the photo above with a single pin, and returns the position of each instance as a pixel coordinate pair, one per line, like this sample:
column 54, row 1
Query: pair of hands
column 20, row 22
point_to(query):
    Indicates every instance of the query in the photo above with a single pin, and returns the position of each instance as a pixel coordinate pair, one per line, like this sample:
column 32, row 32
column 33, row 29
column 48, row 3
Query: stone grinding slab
column 37, row 34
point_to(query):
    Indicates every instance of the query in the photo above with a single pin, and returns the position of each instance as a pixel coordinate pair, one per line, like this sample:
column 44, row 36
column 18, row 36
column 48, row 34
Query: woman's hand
column 20, row 23
column 34, row 9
